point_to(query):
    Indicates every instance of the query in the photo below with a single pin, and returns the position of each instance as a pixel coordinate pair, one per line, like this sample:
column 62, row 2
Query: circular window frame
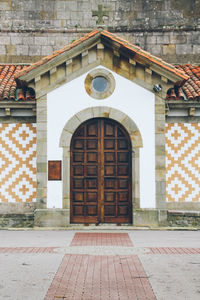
column 89, row 84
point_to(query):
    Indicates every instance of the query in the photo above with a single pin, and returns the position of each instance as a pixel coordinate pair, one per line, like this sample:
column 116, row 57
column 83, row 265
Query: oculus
column 99, row 84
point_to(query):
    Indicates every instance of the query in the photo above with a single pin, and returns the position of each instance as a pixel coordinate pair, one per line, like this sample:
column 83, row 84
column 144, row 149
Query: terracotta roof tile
column 146, row 54
column 126, row 44
column 191, row 88
column 10, row 91
column 57, row 52
column 8, row 86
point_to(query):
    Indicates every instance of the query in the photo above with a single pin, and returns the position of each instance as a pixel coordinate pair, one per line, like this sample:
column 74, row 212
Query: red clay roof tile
column 8, row 85
column 124, row 43
column 56, row 53
column 191, row 87
column 189, row 91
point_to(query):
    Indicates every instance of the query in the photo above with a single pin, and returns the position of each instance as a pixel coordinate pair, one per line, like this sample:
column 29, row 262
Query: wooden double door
column 101, row 173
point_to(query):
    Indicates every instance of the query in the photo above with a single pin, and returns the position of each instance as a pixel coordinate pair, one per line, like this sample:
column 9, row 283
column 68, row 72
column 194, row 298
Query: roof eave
column 77, row 49
column 89, row 41
column 151, row 61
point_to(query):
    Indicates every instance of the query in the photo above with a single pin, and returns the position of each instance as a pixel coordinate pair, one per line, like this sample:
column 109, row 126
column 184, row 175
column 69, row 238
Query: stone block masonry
column 33, row 29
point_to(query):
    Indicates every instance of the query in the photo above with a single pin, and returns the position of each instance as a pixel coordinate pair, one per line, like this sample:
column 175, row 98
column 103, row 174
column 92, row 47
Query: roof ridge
column 57, row 52
column 114, row 37
column 144, row 53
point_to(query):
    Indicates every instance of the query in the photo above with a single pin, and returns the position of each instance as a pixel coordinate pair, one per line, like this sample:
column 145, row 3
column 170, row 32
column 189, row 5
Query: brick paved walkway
column 101, row 239
column 103, row 266
column 100, row 277
column 90, row 277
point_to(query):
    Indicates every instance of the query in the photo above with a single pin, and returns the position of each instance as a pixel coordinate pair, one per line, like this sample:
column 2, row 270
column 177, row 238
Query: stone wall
column 16, row 220
column 31, row 29
column 183, row 218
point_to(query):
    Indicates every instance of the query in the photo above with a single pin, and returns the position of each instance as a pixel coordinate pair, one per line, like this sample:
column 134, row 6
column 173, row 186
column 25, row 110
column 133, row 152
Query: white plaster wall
column 128, row 97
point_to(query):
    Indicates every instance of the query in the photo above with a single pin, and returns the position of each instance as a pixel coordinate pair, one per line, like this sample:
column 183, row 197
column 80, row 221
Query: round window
column 99, row 84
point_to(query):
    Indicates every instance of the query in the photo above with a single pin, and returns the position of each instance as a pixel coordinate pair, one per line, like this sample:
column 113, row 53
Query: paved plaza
column 99, row 264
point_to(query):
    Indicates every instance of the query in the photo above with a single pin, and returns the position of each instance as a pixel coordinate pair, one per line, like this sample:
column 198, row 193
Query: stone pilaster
column 41, row 151
column 160, row 176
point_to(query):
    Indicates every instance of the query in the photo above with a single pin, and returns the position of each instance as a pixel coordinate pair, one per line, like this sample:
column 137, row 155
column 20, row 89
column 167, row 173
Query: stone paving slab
column 173, row 277
column 93, row 277
column 27, row 276
column 140, row 238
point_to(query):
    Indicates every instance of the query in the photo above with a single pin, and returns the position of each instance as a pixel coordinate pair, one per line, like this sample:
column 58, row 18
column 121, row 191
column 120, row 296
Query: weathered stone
column 4, row 40
column 16, row 40
column 22, row 49
column 2, row 50
column 34, row 50
column 160, row 109
column 178, row 38
column 184, row 49
column 169, row 49
column 164, row 39
column 51, row 217
column 149, row 217
column 16, row 220
column 183, row 218
column 11, row 49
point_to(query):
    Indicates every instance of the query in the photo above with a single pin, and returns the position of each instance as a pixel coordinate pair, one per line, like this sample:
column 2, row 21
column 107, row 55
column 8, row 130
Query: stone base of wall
column 51, row 217
column 150, row 217
column 17, row 220
column 17, row 208
column 183, row 218
column 61, row 218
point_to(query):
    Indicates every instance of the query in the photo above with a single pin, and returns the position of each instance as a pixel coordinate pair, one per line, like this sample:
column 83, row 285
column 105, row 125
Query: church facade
column 99, row 126
column 107, row 135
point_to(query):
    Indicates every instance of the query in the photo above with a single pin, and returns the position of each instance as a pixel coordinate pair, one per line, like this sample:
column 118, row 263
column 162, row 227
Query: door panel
column 101, row 173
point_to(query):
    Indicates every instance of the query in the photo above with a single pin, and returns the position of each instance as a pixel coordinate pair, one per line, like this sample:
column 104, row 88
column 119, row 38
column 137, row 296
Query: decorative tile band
column 18, row 162
column 28, row 249
column 182, row 162
column 173, row 250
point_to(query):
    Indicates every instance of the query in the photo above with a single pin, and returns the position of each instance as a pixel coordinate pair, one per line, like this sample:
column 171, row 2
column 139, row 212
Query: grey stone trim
column 110, row 83
column 182, row 119
column 101, row 112
column 41, row 150
column 192, row 206
column 160, row 172
column 105, row 112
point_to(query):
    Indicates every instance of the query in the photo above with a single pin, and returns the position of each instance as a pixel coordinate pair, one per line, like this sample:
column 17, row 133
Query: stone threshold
column 99, row 228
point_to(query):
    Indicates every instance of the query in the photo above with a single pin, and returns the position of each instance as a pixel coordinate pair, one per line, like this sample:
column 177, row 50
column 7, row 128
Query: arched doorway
column 100, row 173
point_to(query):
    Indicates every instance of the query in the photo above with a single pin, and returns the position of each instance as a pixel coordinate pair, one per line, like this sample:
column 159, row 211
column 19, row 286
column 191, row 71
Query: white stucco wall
column 128, row 97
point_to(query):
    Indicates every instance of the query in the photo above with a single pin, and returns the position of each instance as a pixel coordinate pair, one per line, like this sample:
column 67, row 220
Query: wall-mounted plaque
column 54, row 170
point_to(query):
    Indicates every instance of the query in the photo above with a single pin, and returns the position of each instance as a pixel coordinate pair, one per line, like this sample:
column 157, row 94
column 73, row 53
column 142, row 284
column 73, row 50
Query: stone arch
column 101, row 112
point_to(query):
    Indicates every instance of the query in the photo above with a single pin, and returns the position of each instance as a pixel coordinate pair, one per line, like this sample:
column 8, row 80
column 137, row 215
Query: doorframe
column 109, row 113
